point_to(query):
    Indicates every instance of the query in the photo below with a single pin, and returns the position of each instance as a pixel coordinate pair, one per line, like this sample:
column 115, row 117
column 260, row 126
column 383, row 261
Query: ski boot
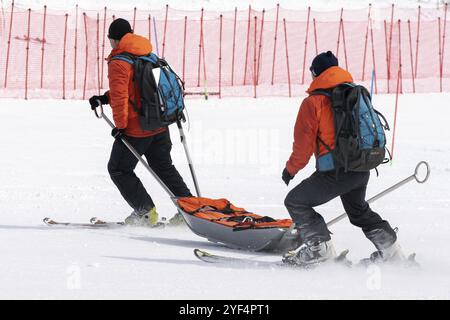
column 392, row 254
column 310, row 254
column 177, row 220
column 145, row 219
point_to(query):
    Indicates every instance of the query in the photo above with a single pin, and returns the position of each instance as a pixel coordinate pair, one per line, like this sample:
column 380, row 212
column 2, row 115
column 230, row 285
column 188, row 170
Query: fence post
column 75, row 48
column 440, row 54
column 417, row 40
column 156, row 36
column 315, row 36
column 150, row 28
column 345, row 44
column 306, row 45
column 287, row 57
column 98, row 53
column 400, row 55
column 64, row 58
column 411, row 57
column 43, row 46
column 9, row 44
column 260, row 46
column 248, row 43
column 254, row 57
column 443, row 44
column 390, row 45
column 373, row 57
column 387, row 55
column 395, row 114
column 234, row 47
column 165, row 30
column 103, row 48
column 365, row 43
column 339, row 34
column 200, row 48
column 184, row 48
column 87, row 55
column 220, row 58
column 275, row 43
column 27, row 54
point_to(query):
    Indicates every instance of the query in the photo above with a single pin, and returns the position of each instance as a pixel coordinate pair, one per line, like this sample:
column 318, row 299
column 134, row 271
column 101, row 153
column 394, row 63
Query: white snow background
column 53, row 163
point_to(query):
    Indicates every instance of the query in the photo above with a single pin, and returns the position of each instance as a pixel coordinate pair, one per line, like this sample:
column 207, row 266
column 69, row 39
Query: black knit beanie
column 118, row 29
column 322, row 62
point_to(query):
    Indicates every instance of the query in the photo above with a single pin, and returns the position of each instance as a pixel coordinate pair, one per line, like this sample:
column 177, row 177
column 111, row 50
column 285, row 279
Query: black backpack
column 160, row 88
column 360, row 140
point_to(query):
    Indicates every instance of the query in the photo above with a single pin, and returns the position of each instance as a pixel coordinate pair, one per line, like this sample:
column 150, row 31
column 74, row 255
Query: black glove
column 117, row 133
column 94, row 103
column 286, row 176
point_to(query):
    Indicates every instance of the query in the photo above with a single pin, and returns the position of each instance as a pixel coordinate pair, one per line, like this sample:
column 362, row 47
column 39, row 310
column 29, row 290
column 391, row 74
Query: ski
column 97, row 221
column 409, row 262
column 242, row 262
column 92, row 225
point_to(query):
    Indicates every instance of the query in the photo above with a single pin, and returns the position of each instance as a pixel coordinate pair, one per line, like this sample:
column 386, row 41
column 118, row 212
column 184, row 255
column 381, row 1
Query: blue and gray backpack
column 360, row 140
column 160, row 89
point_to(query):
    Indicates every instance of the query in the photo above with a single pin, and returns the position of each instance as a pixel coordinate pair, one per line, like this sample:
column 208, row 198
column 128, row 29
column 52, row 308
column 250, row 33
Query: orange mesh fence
column 51, row 54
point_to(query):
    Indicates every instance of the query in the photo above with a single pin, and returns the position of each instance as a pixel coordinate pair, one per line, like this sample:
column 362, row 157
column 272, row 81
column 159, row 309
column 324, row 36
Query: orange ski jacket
column 121, row 94
column 315, row 119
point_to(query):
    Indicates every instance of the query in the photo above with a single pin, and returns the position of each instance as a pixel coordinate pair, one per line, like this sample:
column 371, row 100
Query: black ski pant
column 322, row 187
column 156, row 150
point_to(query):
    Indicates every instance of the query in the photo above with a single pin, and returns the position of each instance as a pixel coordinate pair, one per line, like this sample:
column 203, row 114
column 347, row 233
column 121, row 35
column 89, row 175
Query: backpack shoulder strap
column 125, row 56
column 323, row 92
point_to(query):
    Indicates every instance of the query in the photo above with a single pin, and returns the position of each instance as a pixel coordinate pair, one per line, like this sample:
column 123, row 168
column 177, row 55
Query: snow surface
column 53, row 160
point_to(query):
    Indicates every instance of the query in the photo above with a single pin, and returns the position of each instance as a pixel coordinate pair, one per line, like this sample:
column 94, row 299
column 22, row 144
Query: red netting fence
column 251, row 53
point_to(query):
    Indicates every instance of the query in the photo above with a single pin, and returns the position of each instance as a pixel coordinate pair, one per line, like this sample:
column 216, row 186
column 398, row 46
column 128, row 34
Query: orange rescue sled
column 220, row 221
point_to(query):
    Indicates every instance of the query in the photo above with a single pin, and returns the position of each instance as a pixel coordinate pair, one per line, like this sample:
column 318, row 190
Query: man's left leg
column 377, row 230
column 159, row 159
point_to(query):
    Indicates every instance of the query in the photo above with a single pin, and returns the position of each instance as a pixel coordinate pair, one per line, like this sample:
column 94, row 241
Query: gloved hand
column 286, row 176
column 94, row 103
column 117, row 133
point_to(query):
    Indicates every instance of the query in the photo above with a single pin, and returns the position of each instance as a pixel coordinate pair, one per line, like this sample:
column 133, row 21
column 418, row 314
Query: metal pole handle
column 415, row 176
column 188, row 157
column 101, row 115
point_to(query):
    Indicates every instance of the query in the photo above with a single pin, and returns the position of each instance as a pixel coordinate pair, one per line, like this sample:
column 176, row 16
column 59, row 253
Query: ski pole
column 390, row 189
column 371, row 83
column 186, row 151
column 134, row 152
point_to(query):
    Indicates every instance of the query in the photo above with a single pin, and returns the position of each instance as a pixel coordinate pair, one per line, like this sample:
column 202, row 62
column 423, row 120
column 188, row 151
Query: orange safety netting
column 238, row 53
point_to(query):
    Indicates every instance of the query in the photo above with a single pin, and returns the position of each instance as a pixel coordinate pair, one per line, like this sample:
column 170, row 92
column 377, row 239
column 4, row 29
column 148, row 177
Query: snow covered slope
column 53, row 163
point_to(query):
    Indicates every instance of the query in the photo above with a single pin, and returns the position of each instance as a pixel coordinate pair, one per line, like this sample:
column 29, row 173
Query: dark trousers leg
column 318, row 189
column 159, row 159
column 121, row 167
column 361, row 215
column 323, row 187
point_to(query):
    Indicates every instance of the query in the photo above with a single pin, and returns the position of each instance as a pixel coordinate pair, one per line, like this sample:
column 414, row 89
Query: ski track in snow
column 53, row 160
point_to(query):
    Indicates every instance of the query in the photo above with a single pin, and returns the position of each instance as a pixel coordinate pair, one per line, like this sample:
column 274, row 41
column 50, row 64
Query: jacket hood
column 330, row 78
column 134, row 44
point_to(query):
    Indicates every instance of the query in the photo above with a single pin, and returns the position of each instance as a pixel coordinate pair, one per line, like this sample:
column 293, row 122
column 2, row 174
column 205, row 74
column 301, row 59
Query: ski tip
column 199, row 253
column 48, row 221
